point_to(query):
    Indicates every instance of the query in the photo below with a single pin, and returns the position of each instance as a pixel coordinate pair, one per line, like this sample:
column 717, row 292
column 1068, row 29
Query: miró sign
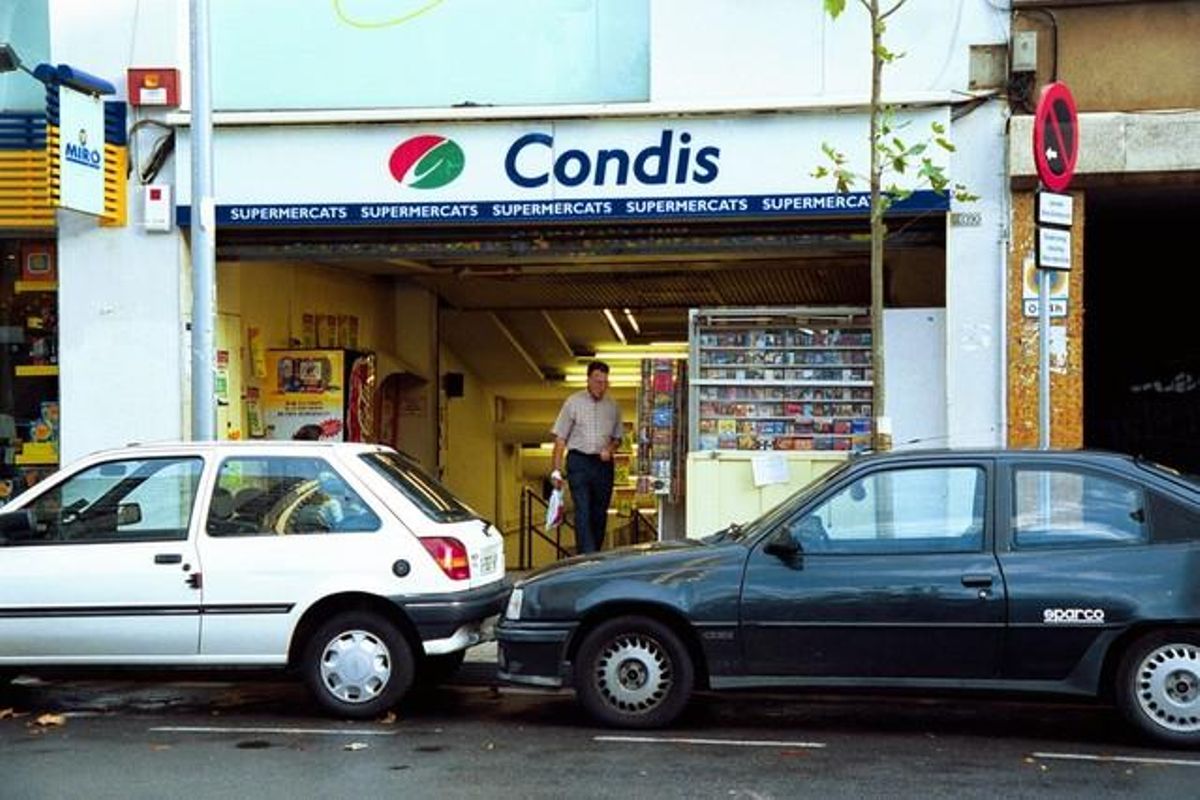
column 673, row 159
column 83, row 155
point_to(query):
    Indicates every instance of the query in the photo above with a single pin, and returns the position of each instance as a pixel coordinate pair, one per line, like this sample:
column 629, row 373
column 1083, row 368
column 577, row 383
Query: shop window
column 29, row 390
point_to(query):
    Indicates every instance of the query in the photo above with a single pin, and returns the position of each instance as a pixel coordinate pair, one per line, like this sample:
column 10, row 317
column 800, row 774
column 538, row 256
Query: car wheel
column 438, row 669
column 633, row 672
column 357, row 665
column 1158, row 686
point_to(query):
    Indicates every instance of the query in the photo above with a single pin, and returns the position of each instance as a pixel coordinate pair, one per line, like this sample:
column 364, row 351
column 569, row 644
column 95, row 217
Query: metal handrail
column 530, row 529
column 636, row 520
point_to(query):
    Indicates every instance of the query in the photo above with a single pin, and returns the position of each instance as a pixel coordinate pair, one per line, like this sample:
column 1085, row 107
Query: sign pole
column 1055, row 153
column 1043, row 358
column 204, row 234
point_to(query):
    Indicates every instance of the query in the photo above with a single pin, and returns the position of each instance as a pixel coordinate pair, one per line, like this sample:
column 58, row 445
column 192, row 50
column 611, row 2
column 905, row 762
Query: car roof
column 153, row 448
column 1008, row 453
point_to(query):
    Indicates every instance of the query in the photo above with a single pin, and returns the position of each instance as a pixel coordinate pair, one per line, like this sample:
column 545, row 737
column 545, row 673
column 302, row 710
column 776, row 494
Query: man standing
column 588, row 428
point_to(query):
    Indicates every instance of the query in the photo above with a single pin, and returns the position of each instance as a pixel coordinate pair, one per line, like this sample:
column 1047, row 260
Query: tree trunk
column 882, row 438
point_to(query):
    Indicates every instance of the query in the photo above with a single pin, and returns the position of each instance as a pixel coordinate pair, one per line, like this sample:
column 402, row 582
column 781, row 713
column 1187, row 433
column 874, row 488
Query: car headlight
column 513, row 611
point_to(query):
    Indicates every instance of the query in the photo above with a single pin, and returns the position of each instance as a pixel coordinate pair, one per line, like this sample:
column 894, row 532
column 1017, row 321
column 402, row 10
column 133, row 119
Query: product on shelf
column 781, row 379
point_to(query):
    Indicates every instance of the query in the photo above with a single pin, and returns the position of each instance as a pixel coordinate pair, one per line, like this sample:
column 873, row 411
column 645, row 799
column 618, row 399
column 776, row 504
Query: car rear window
column 434, row 500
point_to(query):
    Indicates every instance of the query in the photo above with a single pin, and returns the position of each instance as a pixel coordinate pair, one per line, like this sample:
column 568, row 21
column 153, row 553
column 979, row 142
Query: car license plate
column 487, row 563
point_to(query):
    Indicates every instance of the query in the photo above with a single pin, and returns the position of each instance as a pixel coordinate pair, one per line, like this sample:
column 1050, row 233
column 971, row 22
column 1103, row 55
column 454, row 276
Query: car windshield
column 434, row 500
column 776, row 515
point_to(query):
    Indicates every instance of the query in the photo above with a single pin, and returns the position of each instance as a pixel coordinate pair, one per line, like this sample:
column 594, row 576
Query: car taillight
column 450, row 554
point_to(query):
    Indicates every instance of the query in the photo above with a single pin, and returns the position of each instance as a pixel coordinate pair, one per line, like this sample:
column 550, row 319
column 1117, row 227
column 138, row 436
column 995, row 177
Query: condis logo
column 426, row 162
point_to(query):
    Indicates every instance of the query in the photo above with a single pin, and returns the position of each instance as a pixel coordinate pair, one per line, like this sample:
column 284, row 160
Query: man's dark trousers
column 591, row 482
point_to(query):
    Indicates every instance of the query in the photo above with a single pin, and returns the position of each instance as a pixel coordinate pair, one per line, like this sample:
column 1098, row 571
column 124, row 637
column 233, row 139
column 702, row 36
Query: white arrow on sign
column 1051, row 154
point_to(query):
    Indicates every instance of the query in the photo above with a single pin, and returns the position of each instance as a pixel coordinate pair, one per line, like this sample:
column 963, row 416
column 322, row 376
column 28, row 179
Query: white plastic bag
column 554, row 509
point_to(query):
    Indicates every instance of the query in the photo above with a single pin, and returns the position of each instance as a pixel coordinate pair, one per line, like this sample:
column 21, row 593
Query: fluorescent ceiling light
column 616, row 329
column 640, row 355
column 633, row 323
column 617, row 381
column 626, row 370
column 640, row 352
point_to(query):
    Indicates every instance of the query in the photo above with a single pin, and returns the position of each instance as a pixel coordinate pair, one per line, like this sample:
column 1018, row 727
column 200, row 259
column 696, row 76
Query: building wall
column 1129, row 56
column 1066, row 366
column 976, row 261
column 704, row 54
column 789, row 50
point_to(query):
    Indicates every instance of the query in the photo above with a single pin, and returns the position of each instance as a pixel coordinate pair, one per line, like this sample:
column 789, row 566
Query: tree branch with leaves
column 892, row 156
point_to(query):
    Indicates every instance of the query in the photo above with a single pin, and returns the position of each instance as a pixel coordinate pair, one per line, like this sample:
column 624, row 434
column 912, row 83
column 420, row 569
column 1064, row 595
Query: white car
column 344, row 562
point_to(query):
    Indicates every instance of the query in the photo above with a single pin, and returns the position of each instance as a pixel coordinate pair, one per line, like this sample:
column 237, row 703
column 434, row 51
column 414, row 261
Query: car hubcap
column 1168, row 687
column 633, row 673
column 356, row 666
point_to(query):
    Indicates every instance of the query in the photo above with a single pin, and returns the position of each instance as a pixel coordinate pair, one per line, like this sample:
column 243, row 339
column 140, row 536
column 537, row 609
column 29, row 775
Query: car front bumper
column 534, row 654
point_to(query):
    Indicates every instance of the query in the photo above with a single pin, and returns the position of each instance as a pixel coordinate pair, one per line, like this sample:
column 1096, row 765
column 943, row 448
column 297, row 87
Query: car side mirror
column 129, row 514
column 783, row 546
column 17, row 526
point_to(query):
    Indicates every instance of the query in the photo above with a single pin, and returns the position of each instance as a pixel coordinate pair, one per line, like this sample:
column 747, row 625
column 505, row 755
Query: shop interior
column 479, row 334
column 28, row 363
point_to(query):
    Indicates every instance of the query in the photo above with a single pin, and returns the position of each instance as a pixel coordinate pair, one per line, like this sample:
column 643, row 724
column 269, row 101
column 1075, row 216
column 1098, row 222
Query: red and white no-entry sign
column 1056, row 137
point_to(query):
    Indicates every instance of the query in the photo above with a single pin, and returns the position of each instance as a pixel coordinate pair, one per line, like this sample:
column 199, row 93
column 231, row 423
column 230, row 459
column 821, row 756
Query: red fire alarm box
column 154, row 86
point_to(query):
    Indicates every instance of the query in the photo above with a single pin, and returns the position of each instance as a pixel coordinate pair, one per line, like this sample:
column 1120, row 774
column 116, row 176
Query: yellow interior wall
column 414, row 321
column 467, row 442
column 274, row 296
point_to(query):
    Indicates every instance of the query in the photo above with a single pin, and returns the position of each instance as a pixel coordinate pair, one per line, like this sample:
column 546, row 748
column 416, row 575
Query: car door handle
column 977, row 581
column 168, row 558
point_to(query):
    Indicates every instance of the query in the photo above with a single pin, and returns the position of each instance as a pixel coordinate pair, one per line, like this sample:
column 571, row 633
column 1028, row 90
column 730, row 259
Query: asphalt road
column 110, row 738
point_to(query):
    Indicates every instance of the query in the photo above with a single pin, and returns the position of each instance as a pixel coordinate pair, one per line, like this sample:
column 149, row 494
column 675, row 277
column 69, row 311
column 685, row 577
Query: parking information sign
column 1053, row 248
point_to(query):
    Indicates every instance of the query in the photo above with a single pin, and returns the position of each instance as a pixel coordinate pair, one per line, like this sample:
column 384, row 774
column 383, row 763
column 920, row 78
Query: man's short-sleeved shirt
column 587, row 424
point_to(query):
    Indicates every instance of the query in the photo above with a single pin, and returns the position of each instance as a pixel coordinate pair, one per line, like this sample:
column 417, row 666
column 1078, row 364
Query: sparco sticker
column 1085, row 616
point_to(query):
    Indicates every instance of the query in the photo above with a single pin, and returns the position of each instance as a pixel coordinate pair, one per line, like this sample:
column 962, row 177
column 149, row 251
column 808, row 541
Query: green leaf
column 945, row 144
column 916, row 149
column 820, row 172
column 898, row 164
column 962, row 195
column 834, row 8
column 938, row 127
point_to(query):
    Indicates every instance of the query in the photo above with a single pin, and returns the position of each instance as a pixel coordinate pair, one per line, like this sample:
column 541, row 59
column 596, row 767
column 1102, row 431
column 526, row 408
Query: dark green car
column 1065, row 573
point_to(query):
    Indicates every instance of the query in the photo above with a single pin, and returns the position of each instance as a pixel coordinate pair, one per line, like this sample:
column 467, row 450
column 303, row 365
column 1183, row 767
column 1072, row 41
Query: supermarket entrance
column 520, row 311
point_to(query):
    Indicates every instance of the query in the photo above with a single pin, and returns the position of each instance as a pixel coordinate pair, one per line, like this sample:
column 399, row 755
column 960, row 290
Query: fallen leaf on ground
column 5, row 713
column 388, row 719
column 50, row 720
column 352, row 746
